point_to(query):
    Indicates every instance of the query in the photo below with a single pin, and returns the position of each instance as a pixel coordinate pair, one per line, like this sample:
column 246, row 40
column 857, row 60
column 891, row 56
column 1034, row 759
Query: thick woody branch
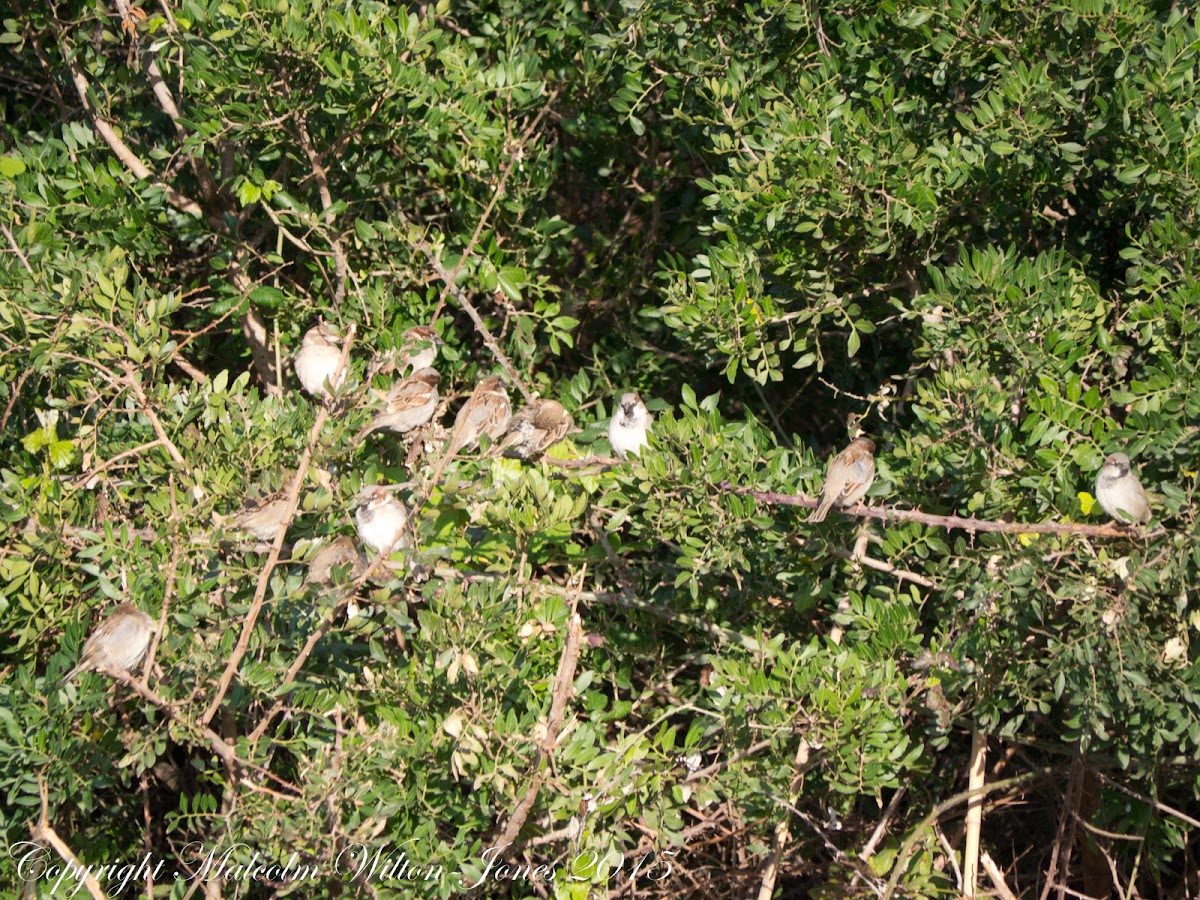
column 264, row 578
column 44, row 833
column 119, row 147
column 889, row 514
column 167, row 102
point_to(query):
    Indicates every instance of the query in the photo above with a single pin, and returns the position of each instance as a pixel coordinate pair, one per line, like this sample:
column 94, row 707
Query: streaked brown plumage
column 410, row 404
column 340, row 552
column 486, row 411
column 848, row 478
column 534, row 429
column 119, row 642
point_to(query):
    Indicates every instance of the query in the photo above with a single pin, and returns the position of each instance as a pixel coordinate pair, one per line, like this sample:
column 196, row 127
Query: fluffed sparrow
column 534, row 429
column 1119, row 492
column 119, row 642
column 341, row 552
column 261, row 516
column 627, row 430
column 848, row 478
column 410, row 404
column 317, row 361
column 486, row 411
column 381, row 520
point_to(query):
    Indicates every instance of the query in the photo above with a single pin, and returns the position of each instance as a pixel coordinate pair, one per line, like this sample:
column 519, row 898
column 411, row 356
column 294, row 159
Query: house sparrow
column 260, row 517
column 486, row 411
column 535, row 429
column 381, row 520
column 1119, row 492
column 627, row 430
column 420, row 347
column 341, row 552
column 119, row 642
column 848, row 478
column 410, row 404
column 317, row 361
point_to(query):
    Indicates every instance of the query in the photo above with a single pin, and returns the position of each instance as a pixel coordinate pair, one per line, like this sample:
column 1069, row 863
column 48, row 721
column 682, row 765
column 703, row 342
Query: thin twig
column 1161, row 807
column 335, row 243
column 880, row 829
column 264, row 578
column 343, row 601
column 12, row 242
column 766, row 887
column 881, row 566
column 118, row 146
column 130, row 379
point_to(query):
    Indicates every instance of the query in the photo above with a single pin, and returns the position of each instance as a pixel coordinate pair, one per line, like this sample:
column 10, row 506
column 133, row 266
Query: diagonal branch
column 561, row 692
column 450, row 276
column 264, row 578
column 118, row 146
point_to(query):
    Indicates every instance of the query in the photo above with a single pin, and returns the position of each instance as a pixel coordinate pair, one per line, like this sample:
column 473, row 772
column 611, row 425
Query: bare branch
column 264, row 578
column 886, row 514
column 119, row 148
column 44, row 833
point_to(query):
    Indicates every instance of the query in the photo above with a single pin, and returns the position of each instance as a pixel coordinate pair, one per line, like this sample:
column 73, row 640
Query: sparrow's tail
column 822, row 509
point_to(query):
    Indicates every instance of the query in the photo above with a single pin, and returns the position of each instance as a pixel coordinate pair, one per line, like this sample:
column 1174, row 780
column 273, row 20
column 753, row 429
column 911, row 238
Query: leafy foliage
column 973, row 229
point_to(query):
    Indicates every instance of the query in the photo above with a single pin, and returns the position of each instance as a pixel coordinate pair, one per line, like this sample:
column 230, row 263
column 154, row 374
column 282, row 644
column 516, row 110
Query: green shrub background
column 973, row 226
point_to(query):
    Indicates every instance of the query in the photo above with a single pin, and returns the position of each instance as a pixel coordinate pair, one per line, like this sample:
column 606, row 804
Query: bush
column 972, row 230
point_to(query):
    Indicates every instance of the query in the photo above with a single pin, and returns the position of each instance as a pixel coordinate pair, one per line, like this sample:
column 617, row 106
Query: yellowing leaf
column 1087, row 502
column 1026, row 538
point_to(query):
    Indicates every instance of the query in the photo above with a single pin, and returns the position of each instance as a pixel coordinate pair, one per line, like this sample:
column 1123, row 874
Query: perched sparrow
column 420, row 347
column 533, row 430
column 1119, row 492
column 317, row 361
column 381, row 520
column 486, row 411
column 410, row 404
column 341, row 552
column 627, row 430
column 261, row 516
column 119, row 642
column 848, row 479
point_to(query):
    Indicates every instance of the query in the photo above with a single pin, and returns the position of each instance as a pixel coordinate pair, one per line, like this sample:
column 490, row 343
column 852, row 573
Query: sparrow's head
column 866, row 444
column 492, row 384
column 631, row 409
column 428, row 376
column 422, row 334
column 372, row 495
column 320, row 334
column 1118, row 464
